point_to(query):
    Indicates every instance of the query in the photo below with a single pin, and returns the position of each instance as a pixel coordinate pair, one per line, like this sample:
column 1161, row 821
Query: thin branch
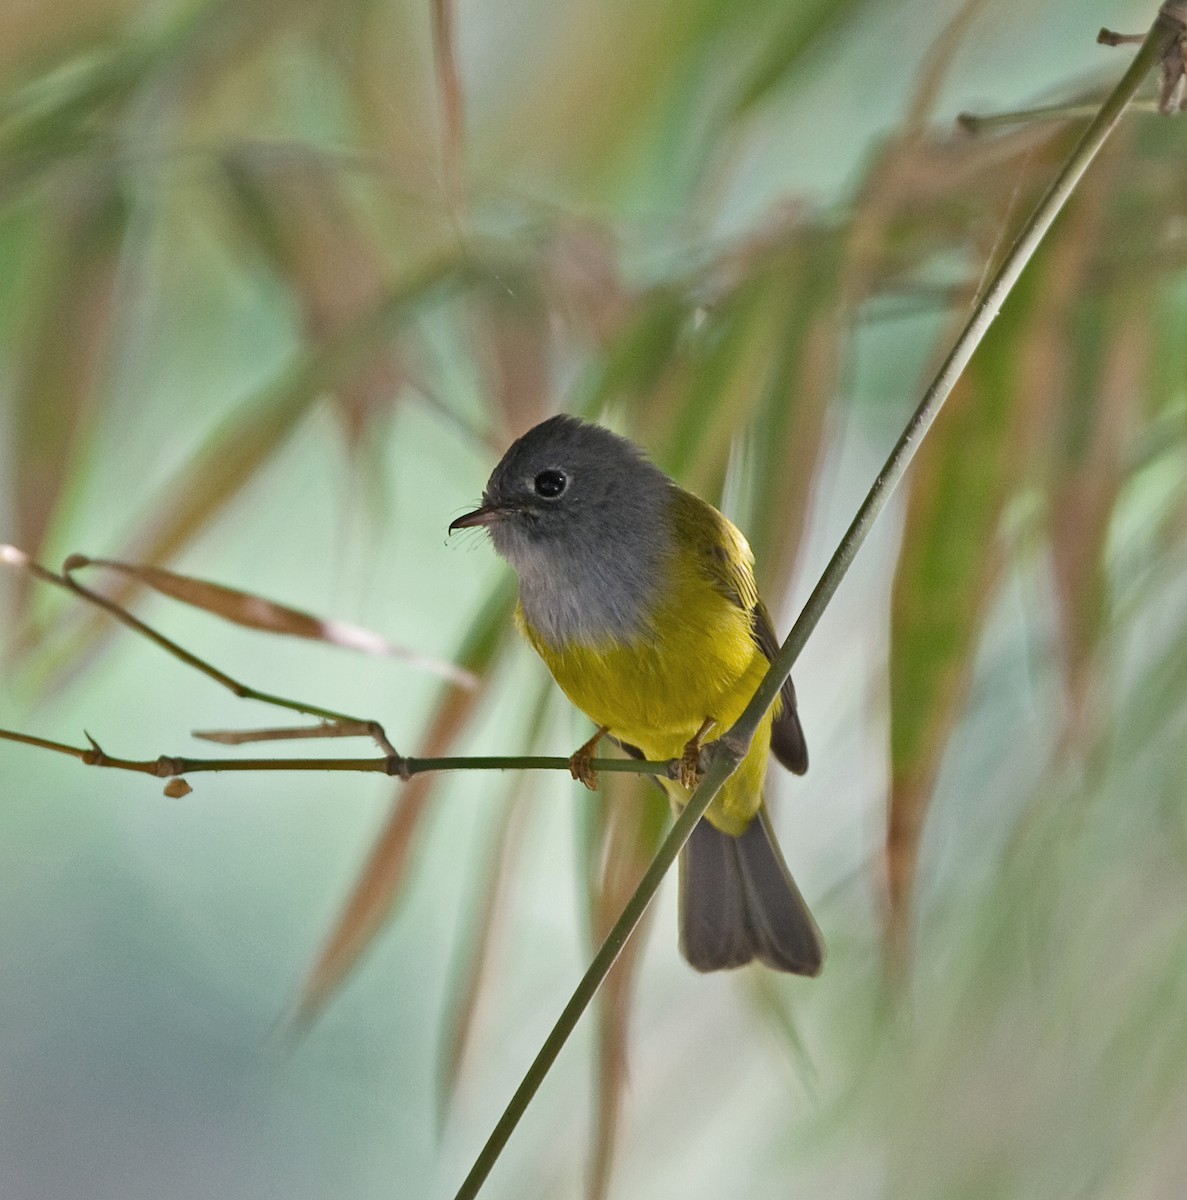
column 974, row 123
column 252, row 611
column 168, row 765
column 1107, row 37
column 724, row 755
column 1166, row 31
column 11, row 556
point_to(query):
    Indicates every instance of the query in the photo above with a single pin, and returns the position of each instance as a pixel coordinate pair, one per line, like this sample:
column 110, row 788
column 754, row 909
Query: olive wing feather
column 729, row 563
column 787, row 734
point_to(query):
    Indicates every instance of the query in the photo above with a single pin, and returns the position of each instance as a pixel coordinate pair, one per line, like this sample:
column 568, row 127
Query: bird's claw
column 692, row 764
column 581, row 770
column 581, row 759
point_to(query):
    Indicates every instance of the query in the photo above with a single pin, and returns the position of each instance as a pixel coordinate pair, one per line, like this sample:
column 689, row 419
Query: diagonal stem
column 1168, row 27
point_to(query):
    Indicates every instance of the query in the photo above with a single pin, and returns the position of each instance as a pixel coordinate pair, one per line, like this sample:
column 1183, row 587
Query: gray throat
column 604, row 590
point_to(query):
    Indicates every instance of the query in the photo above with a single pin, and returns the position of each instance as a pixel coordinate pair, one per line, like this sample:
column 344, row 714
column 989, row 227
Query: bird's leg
column 690, row 760
column 579, row 760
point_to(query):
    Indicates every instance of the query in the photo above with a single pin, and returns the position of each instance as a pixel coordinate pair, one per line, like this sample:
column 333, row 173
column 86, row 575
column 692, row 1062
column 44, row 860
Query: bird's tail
column 739, row 902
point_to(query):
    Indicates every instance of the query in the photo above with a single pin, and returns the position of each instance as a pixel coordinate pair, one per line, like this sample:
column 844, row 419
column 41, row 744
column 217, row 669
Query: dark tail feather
column 739, row 902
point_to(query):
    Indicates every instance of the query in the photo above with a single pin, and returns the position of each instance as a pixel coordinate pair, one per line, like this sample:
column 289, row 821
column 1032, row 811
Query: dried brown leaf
column 583, row 280
column 378, row 887
column 299, row 211
column 947, row 571
column 476, row 953
column 1088, row 477
column 255, row 612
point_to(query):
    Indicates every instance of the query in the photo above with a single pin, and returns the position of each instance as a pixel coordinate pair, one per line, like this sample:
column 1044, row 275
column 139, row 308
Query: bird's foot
column 692, row 766
column 581, row 759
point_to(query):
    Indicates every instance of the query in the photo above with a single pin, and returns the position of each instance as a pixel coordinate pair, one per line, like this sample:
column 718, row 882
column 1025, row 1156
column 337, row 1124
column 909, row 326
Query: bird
column 641, row 599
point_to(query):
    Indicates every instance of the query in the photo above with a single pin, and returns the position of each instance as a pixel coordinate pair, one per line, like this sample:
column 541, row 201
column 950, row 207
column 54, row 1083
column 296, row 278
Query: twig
column 975, row 123
column 724, row 755
column 11, row 556
column 168, row 765
column 1107, row 37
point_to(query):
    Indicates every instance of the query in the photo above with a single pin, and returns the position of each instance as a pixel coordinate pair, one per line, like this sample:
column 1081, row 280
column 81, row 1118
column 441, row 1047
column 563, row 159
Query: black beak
column 488, row 514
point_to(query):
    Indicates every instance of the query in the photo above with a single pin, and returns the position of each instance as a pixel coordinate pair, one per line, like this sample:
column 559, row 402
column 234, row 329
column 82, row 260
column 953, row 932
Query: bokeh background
column 278, row 283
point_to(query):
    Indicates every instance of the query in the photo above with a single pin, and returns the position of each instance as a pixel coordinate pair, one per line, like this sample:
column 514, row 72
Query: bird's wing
column 730, row 564
column 787, row 734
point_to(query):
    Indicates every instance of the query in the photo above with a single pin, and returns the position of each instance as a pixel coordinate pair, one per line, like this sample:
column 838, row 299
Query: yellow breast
column 698, row 659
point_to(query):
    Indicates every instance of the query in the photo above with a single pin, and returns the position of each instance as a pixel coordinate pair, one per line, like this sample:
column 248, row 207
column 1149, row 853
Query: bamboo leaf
column 636, row 360
column 1115, row 338
column 510, row 330
column 995, row 431
column 65, row 348
column 790, row 424
column 299, row 213
column 947, row 573
column 803, row 29
column 472, row 962
column 230, row 458
column 584, row 283
column 379, row 885
column 255, row 612
column 474, row 958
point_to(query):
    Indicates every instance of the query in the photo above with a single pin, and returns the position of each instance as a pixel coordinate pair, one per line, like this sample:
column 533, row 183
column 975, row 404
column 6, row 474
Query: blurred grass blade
column 58, row 374
column 378, row 887
column 50, row 120
column 472, row 961
column 1112, row 343
column 628, row 822
column 994, row 433
column 451, row 101
column 1102, row 407
column 234, row 454
column 252, row 434
column 639, row 353
column 510, row 329
column 713, row 390
column 297, row 210
column 803, row 28
column 255, row 612
column 788, row 434
column 584, row 282
column 947, row 573
column 474, row 955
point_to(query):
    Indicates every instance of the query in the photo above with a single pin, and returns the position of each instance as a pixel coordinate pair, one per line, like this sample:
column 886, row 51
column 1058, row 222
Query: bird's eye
column 550, row 484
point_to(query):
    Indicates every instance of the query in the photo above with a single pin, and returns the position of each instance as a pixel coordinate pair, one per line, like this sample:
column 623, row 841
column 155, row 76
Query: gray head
column 579, row 512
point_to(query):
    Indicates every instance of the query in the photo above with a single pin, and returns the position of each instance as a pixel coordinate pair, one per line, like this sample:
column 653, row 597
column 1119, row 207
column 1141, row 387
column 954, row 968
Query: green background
column 655, row 201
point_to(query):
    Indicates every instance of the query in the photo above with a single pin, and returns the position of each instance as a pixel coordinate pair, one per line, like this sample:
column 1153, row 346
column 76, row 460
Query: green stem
column 1163, row 32
column 168, row 765
column 728, row 752
column 719, row 771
